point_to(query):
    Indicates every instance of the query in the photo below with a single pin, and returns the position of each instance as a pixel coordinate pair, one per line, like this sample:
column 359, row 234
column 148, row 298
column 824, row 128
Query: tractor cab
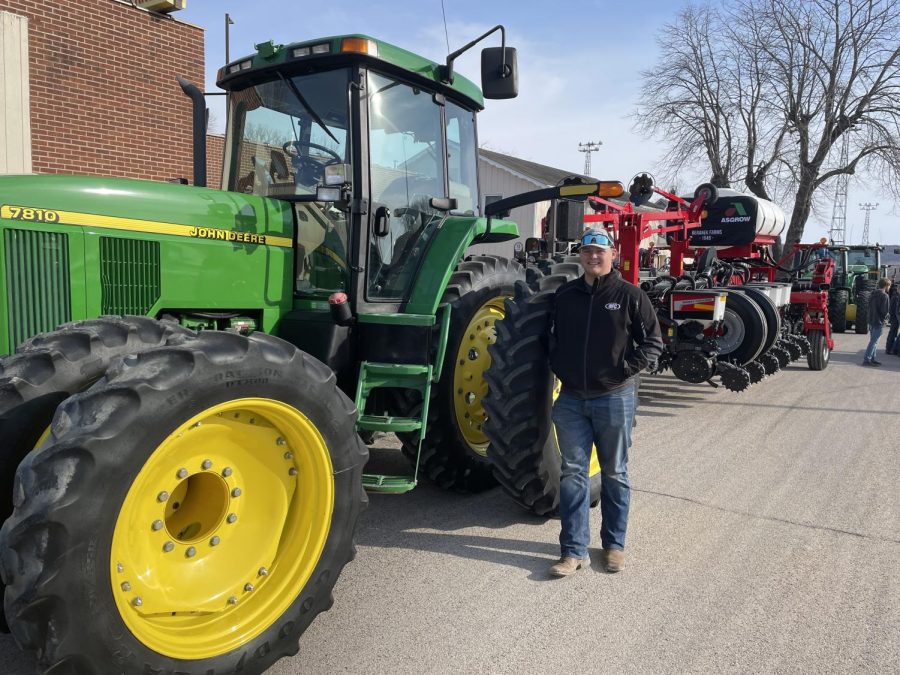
column 373, row 146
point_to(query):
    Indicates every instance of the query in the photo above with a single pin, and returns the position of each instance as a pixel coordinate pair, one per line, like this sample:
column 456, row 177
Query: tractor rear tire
column 454, row 450
column 523, row 449
column 50, row 367
column 120, row 557
column 837, row 309
column 864, row 289
column 819, row 354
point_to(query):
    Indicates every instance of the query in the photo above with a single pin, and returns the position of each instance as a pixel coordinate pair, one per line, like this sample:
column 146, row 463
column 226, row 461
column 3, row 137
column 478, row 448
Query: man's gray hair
column 884, row 282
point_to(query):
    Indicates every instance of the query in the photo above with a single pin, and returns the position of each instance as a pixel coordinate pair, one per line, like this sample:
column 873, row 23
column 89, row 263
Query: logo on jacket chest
column 613, row 305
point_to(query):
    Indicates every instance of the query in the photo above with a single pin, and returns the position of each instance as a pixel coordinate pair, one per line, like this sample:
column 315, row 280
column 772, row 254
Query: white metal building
column 504, row 176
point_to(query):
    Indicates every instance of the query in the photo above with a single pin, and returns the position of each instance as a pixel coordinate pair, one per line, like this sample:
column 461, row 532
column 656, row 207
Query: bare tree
column 799, row 76
column 686, row 97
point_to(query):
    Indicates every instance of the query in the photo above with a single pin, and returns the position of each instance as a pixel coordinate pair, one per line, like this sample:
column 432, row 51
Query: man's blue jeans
column 874, row 335
column 604, row 422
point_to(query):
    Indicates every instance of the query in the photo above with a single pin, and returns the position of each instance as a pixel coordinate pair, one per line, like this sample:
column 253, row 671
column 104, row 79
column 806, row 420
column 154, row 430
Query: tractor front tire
column 50, row 367
column 524, row 450
column 819, row 354
column 837, row 309
column 454, row 451
column 191, row 512
column 864, row 289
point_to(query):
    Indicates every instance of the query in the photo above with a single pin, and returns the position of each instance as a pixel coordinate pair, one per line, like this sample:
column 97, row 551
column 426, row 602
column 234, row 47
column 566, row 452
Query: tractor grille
column 38, row 293
column 129, row 275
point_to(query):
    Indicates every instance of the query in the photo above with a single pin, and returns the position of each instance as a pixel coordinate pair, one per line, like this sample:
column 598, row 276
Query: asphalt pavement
column 764, row 538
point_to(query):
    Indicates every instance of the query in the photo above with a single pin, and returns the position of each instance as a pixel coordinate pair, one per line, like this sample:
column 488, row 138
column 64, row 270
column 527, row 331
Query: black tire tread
column 446, row 459
column 50, row 522
column 519, row 402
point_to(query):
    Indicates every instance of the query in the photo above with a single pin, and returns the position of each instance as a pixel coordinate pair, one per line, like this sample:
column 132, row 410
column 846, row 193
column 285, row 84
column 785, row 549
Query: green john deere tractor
column 185, row 370
column 857, row 270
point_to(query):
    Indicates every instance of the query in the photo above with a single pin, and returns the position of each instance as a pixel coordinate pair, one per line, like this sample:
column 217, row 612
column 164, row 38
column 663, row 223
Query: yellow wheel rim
column 42, row 438
column 594, row 467
column 472, row 360
column 222, row 528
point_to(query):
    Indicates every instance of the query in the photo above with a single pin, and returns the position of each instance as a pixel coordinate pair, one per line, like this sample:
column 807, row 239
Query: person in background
column 879, row 305
column 603, row 332
column 893, row 346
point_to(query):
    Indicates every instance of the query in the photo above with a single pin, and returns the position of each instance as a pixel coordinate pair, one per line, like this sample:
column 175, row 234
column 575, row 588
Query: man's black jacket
column 879, row 304
column 601, row 336
column 895, row 309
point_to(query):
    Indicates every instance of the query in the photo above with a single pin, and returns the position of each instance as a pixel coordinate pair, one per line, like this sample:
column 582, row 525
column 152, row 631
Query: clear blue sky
column 579, row 74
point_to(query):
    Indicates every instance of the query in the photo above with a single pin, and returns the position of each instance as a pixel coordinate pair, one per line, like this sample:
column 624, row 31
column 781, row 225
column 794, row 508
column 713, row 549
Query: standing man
column 603, row 332
column 879, row 305
column 893, row 346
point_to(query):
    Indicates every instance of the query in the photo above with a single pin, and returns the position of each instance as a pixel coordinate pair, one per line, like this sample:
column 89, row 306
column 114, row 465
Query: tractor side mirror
column 499, row 73
column 382, row 221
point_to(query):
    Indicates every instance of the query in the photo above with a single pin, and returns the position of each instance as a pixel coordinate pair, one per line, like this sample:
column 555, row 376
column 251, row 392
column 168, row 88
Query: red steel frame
column 630, row 227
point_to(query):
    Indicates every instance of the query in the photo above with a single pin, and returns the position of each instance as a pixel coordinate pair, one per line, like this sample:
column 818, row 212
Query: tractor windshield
column 862, row 257
column 282, row 135
column 284, row 132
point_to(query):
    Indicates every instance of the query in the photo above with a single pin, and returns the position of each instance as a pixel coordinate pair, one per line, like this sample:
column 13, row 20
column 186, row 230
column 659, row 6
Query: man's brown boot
column 567, row 566
column 613, row 560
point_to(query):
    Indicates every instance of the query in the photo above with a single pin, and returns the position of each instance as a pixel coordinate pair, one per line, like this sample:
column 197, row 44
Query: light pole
column 587, row 149
column 228, row 22
column 868, row 207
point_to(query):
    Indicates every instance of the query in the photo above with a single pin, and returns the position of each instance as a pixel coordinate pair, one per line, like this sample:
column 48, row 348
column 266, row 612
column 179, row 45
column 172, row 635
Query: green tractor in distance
column 180, row 469
column 857, row 270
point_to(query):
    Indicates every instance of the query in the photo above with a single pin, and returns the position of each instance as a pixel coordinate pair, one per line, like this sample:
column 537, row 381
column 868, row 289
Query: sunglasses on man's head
column 593, row 239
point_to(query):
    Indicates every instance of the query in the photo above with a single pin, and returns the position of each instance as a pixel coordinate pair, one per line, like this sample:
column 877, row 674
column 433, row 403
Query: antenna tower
column 868, row 207
column 587, row 149
column 838, row 230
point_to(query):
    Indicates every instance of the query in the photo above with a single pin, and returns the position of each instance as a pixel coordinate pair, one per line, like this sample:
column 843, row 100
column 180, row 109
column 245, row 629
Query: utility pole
column 868, row 207
column 838, row 230
column 228, row 22
column 587, row 149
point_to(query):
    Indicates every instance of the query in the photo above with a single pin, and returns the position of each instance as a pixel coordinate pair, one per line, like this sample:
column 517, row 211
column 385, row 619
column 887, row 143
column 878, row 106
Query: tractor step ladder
column 400, row 376
column 416, row 377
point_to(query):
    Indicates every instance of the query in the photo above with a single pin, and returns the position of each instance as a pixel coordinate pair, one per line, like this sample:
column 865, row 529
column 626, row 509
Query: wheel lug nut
column 207, row 464
column 231, row 517
column 236, row 492
column 226, row 471
column 162, row 496
column 157, row 525
column 292, row 471
column 137, row 602
column 248, row 587
column 168, row 547
column 214, row 541
column 263, row 571
column 181, row 473
column 232, row 600
column 126, row 586
column 191, row 552
column 120, row 567
column 280, row 441
column 289, row 455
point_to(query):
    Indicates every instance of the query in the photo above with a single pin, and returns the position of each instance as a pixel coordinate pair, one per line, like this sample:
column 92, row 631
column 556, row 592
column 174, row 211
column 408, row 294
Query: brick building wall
column 104, row 100
column 215, row 151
